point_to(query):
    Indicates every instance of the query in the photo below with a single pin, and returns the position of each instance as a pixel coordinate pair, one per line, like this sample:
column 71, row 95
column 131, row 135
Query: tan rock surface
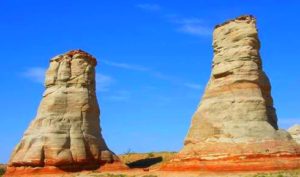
column 236, row 118
column 65, row 132
column 295, row 132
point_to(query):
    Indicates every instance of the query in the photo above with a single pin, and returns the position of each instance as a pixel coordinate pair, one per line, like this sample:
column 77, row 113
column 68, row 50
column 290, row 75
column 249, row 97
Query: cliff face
column 236, row 118
column 65, row 132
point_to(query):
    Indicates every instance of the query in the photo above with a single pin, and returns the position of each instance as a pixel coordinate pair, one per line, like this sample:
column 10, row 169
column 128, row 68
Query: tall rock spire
column 65, row 132
column 236, row 118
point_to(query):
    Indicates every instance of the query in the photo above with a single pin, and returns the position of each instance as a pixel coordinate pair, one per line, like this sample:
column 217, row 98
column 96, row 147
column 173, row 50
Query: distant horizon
column 154, row 61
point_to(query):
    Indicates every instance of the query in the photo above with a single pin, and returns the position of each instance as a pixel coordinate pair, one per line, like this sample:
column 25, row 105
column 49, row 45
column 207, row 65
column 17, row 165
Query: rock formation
column 65, row 135
column 235, row 126
column 295, row 132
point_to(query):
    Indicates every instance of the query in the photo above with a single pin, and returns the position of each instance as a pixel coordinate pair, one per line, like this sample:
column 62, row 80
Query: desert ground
column 146, row 165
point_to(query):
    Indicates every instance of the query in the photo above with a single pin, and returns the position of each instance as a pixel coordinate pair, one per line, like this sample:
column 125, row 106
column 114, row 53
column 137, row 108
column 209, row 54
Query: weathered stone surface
column 295, row 132
column 65, row 133
column 235, row 125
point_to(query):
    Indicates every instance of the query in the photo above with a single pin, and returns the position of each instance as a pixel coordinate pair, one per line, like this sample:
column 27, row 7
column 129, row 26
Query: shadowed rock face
column 295, row 132
column 236, row 118
column 66, row 131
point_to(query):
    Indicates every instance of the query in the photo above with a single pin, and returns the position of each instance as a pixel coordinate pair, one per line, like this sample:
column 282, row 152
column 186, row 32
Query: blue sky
column 154, row 62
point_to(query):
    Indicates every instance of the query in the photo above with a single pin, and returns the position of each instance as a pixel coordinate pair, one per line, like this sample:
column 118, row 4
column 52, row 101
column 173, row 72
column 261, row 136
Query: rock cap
column 248, row 18
column 78, row 53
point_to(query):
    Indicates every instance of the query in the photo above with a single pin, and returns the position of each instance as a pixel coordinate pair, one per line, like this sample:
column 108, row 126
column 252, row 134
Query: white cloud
column 154, row 73
column 36, row 74
column 194, row 26
column 125, row 66
column 149, row 7
column 103, row 82
column 195, row 29
column 193, row 86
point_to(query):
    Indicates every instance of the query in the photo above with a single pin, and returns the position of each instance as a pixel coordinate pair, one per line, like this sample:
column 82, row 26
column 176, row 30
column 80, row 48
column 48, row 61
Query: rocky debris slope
column 65, row 132
column 235, row 126
column 295, row 132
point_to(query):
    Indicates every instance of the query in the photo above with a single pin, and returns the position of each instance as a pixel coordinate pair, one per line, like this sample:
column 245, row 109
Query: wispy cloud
column 125, row 66
column 192, row 26
column 149, row 7
column 196, row 30
column 103, row 82
column 193, row 86
column 154, row 73
column 36, row 74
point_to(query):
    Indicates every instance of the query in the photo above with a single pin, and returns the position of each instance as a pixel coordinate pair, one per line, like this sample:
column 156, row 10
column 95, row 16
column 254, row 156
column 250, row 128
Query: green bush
column 2, row 171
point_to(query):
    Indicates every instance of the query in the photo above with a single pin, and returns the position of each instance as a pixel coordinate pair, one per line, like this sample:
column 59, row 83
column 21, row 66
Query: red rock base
column 257, row 163
column 52, row 170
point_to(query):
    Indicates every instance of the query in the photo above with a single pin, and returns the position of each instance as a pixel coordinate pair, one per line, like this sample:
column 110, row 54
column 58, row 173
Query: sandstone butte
column 235, row 126
column 65, row 135
column 295, row 132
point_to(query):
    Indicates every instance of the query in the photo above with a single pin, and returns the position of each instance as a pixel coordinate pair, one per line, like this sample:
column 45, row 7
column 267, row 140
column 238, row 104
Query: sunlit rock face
column 65, row 132
column 295, row 132
column 235, row 125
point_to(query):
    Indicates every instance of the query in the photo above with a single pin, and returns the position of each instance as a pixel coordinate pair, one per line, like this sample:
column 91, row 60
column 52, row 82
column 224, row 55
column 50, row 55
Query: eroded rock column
column 235, row 126
column 65, row 132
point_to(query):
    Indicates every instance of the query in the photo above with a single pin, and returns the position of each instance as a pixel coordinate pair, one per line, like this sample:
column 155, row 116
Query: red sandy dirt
column 52, row 170
column 259, row 163
column 183, row 168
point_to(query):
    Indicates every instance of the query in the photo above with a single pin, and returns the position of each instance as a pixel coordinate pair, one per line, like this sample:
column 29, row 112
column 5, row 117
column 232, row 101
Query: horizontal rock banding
column 235, row 126
column 65, row 134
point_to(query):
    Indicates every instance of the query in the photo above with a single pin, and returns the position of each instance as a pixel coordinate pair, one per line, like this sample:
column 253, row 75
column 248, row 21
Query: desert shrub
column 150, row 154
column 288, row 174
column 128, row 152
column 117, row 175
column 2, row 171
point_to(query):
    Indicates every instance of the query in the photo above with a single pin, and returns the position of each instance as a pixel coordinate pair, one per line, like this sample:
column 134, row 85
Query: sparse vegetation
column 279, row 174
column 2, row 170
column 110, row 175
column 150, row 154
column 119, row 175
column 128, row 152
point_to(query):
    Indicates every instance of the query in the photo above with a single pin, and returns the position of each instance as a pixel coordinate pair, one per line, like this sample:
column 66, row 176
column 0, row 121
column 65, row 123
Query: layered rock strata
column 295, row 132
column 65, row 134
column 235, row 126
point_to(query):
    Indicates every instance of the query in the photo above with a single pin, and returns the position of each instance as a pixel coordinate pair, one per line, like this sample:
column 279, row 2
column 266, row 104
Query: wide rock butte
column 295, row 132
column 235, row 126
column 65, row 135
